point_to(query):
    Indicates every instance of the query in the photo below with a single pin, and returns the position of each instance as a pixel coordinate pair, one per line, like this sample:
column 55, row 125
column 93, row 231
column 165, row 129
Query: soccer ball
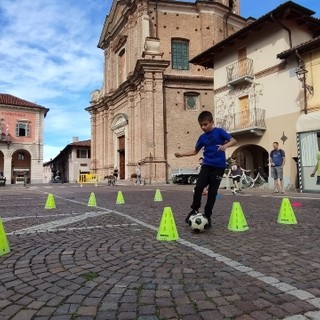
column 197, row 222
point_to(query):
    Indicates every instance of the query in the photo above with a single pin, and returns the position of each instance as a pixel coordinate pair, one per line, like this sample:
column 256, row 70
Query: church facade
column 148, row 106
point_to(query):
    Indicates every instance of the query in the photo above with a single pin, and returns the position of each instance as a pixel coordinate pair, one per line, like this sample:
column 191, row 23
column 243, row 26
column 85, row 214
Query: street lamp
column 301, row 75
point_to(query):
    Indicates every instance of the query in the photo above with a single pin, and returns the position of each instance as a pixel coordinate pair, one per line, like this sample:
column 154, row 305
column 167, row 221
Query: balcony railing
column 248, row 121
column 241, row 71
column 5, row 138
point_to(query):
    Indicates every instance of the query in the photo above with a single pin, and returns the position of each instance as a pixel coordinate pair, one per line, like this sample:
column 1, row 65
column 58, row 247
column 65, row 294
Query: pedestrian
column 214, row 141
column 115, row 174
column 235, row 172
column 277, row 161
column 138, row 174
column 316, row 169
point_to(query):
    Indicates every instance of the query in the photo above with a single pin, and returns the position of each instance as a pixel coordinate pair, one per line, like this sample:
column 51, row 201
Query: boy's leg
column 215, row 176
column 202, row 182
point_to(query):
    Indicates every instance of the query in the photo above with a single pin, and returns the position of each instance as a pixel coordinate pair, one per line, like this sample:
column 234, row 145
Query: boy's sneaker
column 191, row 213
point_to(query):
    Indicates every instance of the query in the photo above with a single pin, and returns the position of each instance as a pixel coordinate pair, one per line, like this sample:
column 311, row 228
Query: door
column 244, row 115
column 242, row 59
column 122, row 154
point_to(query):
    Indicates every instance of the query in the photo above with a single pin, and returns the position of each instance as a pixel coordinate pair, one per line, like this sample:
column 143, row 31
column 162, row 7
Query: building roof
column 286, row 11
column 8, row 99
column 83, row 143
column 301, row 48
column 67, row 148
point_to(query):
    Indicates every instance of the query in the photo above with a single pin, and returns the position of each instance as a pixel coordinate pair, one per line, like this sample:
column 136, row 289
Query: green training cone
column 4, row 245
column 92, row 200
column 167, row 230
column 50, row 203
column 120, row 199
column 158, row 196
column 237, row 220
column 286, row 213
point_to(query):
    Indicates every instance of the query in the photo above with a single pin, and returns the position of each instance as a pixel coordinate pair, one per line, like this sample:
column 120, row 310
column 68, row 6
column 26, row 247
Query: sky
column 49, row 56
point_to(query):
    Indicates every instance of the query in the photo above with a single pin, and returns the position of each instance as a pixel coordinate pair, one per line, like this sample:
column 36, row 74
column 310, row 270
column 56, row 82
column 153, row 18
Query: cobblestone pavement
column 88, row 263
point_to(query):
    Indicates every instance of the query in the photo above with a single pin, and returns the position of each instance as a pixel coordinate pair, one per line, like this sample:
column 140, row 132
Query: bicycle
column 111, row 180
column 246, row 180
column 260, row 178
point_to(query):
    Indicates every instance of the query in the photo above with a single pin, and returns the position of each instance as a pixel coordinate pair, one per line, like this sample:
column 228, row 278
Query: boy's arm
column 187, row 154
column 230, row 143
column 314, row 170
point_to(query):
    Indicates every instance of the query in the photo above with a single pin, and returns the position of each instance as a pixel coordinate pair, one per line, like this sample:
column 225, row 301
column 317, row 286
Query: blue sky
column 49, row 55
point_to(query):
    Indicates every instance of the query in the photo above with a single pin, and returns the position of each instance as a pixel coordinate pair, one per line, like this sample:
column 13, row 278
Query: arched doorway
column 119, row 127
column 253, row 157
column 21, row 167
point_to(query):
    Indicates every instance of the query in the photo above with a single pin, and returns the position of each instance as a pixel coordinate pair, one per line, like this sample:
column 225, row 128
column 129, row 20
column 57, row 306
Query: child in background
column 235, row 172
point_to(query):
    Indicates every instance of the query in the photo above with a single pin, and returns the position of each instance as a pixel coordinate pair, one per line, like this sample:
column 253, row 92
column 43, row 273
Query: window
column 20, row 156
column 191, row 100
column 121, row 66
column 83, row 153
column 23, row 129
column 180, row 54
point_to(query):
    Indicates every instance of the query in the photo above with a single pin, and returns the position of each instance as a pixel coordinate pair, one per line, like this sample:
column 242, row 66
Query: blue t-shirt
column 211, row 141
column 277, row 157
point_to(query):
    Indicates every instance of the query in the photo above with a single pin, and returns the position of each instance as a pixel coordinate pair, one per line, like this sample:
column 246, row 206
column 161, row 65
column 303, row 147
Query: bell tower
column 233, row 5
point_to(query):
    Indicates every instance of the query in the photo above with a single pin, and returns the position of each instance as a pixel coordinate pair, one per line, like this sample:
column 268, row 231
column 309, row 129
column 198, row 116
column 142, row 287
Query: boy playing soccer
column 214, row 142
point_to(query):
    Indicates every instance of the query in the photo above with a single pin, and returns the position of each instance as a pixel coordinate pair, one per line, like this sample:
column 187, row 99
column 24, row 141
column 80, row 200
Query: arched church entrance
column 21, row 167
column 119, row 127
column 253, row 157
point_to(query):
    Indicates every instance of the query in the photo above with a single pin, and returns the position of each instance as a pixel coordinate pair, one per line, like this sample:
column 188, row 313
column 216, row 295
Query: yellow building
column 260, row 95
column 306, row 58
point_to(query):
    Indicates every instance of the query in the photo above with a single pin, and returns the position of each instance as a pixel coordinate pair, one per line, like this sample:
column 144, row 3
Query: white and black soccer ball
column 197, row 222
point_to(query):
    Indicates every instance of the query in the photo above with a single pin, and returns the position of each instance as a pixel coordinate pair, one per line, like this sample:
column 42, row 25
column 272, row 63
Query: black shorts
column 236, row 179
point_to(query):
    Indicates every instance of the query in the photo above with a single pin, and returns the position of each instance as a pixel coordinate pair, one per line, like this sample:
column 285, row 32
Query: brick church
column 151, row 96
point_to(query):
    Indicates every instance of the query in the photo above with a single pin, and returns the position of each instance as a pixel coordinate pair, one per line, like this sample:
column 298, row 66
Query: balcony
column 251, row 121
column 240, row 72
column 6, row 138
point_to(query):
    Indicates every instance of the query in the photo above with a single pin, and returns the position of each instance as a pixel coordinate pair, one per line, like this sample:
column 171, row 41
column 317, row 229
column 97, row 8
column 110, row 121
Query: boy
column 317, row 169
column 214, row 141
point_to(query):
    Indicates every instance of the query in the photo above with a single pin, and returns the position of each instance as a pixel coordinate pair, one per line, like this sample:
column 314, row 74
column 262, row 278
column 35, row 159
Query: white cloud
column 49, row 55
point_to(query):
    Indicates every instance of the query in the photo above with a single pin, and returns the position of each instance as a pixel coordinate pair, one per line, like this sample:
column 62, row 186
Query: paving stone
column 123, row 272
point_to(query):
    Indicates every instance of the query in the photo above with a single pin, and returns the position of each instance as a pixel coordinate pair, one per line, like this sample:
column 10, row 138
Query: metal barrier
column 88, row 178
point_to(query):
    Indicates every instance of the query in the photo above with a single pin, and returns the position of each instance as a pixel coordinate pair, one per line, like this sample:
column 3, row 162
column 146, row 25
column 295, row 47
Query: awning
column 308, row 122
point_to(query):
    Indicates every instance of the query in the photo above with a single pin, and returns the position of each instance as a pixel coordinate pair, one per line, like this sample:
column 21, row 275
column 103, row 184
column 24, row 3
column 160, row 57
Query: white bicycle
column 260, row 178
column 246, row 180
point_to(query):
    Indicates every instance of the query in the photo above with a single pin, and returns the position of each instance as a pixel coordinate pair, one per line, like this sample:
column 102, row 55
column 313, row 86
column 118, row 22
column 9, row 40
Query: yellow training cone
column 50, row 203
column 286, row 214
column 167, row 230
column 4, row 245
column 158, row 196
column 92, row 200
column 237, row 220
column 120, row 199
